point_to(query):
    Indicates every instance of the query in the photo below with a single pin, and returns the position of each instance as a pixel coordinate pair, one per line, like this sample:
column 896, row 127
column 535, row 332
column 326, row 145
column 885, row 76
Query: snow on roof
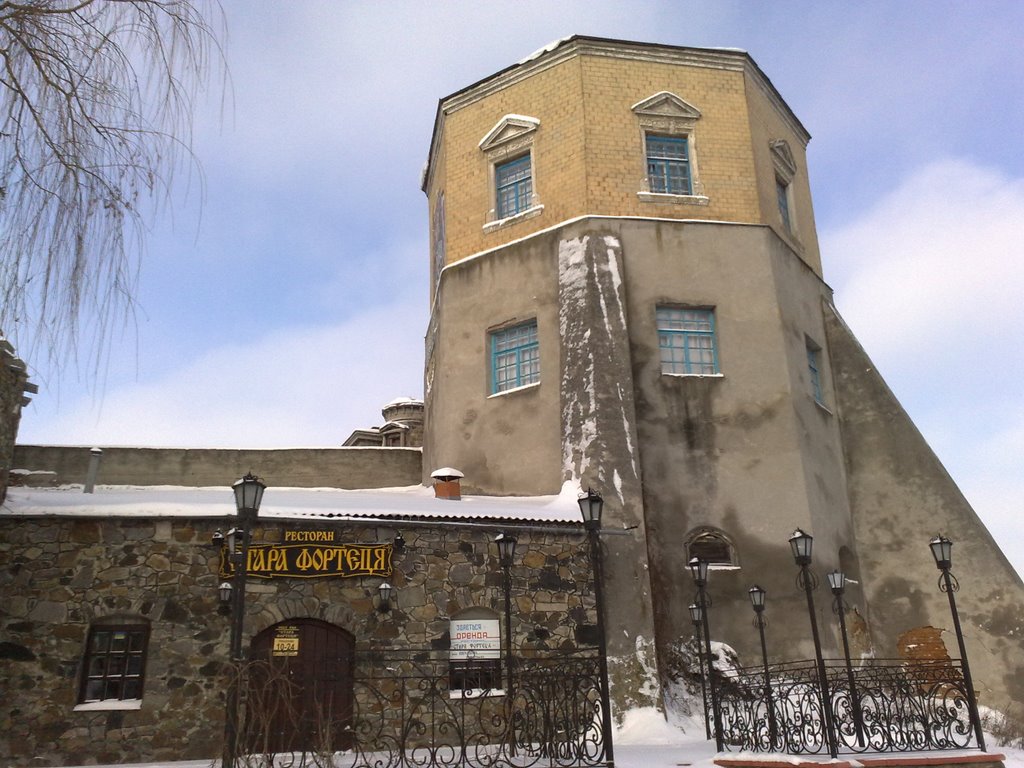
column 404, row 401
column 446, row 472
column 541, row 51
column 414, row 501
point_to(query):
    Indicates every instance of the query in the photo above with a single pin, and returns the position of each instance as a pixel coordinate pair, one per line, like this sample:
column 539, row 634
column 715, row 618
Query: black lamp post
column 591, row 508
column 942, row 551
column 248, row 496
column 697, row 617
column 837, row 583
column 801, row 544
column 699, row 571
column 506, row 552
column 757, row 596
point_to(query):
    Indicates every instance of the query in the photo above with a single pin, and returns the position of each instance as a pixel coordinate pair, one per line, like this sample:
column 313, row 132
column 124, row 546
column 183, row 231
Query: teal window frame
column 513, row 183
column 687, row 341
column 515, row 357
column 668, row 164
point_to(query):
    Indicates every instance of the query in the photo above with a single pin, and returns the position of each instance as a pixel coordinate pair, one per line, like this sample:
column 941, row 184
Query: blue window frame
column 514, row 183
column 686, row 338
column 668, row 165
column 814, row 368
column 515, row 357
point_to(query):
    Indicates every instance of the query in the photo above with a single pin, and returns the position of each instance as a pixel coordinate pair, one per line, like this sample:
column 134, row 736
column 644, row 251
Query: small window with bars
column 114, row 664
column 782, row 194
column 515, row 357
column 668, row 165
column 814, row 371
column 514, row 184
column 686, row 338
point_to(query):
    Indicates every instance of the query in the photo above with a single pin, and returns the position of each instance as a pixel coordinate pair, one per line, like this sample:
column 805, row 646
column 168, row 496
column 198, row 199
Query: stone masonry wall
column 57, row 575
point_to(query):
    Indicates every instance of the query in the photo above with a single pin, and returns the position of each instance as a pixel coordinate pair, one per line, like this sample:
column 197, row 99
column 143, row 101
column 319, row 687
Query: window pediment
column 510, row 129
column 782, row 157
column 666, row 105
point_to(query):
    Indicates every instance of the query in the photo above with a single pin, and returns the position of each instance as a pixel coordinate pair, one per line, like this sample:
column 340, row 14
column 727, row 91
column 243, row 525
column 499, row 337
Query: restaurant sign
column 312, row 555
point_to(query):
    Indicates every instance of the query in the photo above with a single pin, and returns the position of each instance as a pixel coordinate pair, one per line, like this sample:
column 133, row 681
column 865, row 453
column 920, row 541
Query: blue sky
column 294, row 305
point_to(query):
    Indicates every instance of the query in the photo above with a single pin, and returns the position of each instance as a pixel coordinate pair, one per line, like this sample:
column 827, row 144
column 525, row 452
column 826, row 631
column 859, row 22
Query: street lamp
column 757, row 596
column 384, row 593
column 942, row 551
column 837, row 583
column 801, row 544
column 697, row 617
column 591, row 509
column 248, row 496
column 699, row 570
column 506, row 552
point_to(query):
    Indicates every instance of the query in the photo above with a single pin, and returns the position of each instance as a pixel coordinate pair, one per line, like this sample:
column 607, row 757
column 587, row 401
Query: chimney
column 446, row 483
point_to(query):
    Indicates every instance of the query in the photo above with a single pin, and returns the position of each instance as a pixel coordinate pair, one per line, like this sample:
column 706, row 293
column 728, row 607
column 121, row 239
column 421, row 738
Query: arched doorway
column 300, row 692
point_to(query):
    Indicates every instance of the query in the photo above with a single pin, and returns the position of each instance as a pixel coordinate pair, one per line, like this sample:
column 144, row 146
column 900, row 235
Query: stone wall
column 199, row 467
column 58, row 575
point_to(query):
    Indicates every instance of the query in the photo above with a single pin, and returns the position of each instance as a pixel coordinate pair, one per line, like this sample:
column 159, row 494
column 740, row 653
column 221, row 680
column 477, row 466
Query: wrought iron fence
column 405, row 713
column 895, row 706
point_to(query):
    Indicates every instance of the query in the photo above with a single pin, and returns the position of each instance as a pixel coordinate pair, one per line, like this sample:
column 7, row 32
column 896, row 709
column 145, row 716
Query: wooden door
column 300, row 695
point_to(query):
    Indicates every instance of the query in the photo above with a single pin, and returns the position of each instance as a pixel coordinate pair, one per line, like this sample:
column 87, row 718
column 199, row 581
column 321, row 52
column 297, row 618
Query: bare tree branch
column 96, row 104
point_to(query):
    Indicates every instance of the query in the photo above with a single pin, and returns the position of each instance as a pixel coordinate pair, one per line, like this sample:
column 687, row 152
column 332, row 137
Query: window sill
column 508, row 221
column 694, row 375
column 663, row 198
column 110, row 705
column 514, row 389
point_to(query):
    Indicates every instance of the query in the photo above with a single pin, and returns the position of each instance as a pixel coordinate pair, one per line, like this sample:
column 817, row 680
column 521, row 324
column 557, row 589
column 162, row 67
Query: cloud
column 930, row 280
column 296, row 386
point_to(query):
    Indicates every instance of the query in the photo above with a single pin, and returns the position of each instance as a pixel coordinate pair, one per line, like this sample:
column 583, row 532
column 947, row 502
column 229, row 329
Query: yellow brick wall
column 588, row 155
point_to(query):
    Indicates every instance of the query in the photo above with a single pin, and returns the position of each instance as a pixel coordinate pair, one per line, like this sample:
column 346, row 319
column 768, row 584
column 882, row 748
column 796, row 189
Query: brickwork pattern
column 588, row 153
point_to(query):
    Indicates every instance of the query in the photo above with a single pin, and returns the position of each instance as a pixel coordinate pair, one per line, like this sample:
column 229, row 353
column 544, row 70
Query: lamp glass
column 591, row 507
column 506, row 548
column 757, row 595
column 224, row 591
column 837, row 582
column 801, row 543
column 942, row 551
column 249, row 492
column 696, row 613
column 384, row 590
column 698, row 569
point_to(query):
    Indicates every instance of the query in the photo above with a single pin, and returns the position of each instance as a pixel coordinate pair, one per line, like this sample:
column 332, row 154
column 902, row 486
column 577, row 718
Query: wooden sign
column 313, row 560
column 286, row 641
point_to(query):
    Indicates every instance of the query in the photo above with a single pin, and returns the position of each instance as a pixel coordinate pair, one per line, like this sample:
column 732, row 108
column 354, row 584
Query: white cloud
column 295, row 387
column 930, row 279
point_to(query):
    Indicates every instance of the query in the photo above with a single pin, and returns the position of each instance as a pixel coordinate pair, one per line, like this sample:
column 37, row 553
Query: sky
column 284, row 301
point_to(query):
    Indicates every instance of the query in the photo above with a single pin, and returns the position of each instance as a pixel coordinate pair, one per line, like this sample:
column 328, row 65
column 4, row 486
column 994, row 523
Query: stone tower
column 627, row 293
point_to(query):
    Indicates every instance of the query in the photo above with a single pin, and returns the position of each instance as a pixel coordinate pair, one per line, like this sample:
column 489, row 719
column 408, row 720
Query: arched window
column 710, row 545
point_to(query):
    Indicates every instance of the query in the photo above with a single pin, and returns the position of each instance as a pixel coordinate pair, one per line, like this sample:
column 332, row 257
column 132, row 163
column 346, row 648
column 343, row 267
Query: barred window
column 113, row 668
column 814, row 371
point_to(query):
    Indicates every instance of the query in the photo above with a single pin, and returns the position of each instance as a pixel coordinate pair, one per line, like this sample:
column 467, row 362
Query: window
column 782, row 194
column 814, row 369
column 114, row 665
column 686, row 338
column 785, row 171
column 668, row 165
column 508, row 147
column 514, row 184
column 711, row 546
column 667, row 129
column 439, row 238
column 515, row 357
column 474, row 658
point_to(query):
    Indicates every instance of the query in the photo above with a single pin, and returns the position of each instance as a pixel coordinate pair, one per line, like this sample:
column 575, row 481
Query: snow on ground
column 645, row 740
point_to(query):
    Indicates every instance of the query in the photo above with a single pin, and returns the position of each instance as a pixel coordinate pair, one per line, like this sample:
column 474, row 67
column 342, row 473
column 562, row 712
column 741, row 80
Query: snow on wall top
column 413, row 501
